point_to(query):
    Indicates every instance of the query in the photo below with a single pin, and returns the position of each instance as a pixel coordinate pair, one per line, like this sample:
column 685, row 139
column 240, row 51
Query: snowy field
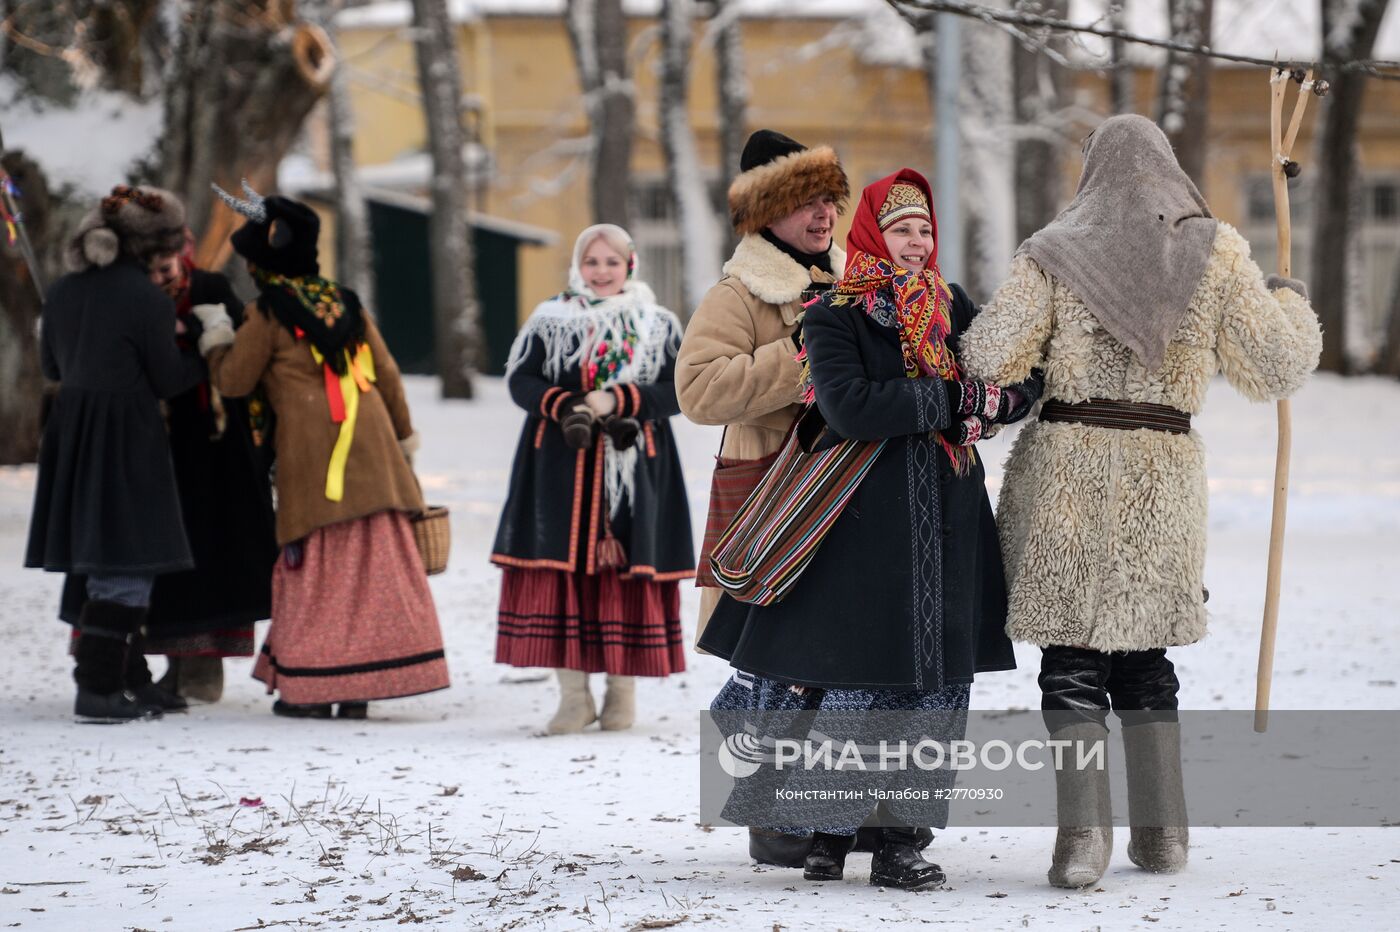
column 450, row 810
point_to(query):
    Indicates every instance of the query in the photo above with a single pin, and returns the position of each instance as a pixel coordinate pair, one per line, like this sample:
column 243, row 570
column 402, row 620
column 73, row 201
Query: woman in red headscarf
column 905, row 601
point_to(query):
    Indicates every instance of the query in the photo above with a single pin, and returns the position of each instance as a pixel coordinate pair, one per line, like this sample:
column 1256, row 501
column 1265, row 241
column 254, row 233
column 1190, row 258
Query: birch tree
column 1183, row 96
column 986, row 119
column 689, row 194
column 456, row 321
column 598, row 33
column 1349, row 30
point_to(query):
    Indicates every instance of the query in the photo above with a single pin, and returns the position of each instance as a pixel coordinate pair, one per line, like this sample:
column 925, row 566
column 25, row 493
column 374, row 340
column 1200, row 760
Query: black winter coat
column 907, row 591
column 554, row 514
column 225, row 500
column 106, row 500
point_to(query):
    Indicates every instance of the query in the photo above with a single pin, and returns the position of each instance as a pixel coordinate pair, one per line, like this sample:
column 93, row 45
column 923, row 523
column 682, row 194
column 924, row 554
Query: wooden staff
column 1283, row 168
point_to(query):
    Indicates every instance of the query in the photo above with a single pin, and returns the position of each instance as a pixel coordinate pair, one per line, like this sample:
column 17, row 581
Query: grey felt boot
column 1084, row 813
column 1156, row 798
column 619, row 704
column 576, row 708
column 202, row 678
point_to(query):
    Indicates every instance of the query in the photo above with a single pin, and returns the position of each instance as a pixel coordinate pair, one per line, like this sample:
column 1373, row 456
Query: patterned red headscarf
column 922, row 301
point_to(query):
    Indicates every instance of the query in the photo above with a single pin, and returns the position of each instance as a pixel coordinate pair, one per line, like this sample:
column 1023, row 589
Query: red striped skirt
column 355, row 620
column 603, row 623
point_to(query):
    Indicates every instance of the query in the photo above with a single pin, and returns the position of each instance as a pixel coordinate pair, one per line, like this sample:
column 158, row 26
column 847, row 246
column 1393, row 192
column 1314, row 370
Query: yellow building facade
column 524, row 106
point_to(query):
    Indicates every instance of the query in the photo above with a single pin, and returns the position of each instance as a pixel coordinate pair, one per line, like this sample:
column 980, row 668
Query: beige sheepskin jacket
column 736, row 363
column 1104, row 531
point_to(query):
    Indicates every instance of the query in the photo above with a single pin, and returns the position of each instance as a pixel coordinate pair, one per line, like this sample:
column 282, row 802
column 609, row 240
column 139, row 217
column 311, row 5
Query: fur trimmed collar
column 770, row 274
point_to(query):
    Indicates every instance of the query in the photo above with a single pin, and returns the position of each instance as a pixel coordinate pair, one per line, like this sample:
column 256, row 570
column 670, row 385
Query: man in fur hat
column 737, row 364
column 106, row 503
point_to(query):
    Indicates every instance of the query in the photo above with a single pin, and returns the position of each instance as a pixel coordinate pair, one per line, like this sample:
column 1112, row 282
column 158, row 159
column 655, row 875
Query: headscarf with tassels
column 922, row 300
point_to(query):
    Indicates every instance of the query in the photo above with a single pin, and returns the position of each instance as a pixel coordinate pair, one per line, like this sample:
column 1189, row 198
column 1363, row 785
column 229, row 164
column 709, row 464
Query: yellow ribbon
column 357, row 378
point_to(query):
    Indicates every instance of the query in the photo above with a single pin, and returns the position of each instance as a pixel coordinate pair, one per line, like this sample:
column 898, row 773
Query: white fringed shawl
column 570, row 327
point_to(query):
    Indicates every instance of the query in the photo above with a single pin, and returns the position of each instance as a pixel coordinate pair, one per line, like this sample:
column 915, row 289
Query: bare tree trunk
column 236, row 86
column 1121, row 94
column 733, row 99
column 1183, row 98
column 457, row 325
column 1039, row 93
column 985, row 120
column 247, row 74
column 354, row 260
column 21, row 384
column 1349, row 32
column 598, row 31
column 694, row 212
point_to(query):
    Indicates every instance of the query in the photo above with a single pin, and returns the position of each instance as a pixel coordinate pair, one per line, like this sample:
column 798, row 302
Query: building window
column 1383, row 199
column 657, row 234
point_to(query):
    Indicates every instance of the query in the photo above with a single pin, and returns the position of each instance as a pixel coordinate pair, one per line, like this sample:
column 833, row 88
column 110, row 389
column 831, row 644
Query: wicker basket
column 434, row 538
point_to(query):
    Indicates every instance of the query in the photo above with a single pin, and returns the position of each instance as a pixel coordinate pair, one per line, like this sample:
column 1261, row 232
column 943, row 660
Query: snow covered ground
column 449, row 810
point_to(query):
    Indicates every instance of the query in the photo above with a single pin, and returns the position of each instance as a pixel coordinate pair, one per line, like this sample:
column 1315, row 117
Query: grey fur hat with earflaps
column 134, row 221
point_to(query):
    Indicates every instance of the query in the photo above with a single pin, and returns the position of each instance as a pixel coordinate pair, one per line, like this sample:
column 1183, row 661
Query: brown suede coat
column 377, row 474
column 736, row 365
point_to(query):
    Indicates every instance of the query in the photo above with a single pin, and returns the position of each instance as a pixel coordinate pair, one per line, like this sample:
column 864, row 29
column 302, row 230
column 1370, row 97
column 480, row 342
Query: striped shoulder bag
column 777, row 530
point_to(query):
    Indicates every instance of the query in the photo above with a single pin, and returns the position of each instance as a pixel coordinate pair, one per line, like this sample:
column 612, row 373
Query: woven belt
column 1119, row 415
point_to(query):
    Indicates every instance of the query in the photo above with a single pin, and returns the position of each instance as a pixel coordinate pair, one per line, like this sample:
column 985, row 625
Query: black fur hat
column 778, row 175
column 280, row 235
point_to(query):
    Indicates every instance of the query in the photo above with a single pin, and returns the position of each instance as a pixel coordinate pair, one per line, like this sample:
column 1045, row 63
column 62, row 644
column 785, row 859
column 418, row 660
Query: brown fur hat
column 770, row 191
column 135, row 221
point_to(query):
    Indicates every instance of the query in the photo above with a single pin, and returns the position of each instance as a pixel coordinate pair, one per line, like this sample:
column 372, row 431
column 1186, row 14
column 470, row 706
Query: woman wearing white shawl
column 595, row 535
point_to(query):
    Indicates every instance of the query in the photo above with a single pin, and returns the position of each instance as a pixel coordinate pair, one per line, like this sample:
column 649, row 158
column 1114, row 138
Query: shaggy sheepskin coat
column 1103, row 530
column 737, row 365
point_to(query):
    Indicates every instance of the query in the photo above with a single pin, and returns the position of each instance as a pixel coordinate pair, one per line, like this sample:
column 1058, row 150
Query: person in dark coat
column 905, row 599
column 222, row 460
column 595, row 535
column 106, row 504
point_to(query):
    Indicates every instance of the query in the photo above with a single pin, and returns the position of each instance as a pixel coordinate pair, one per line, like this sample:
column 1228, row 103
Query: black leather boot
column 827, row 859
column 778, row 849
column 898, row 863
column 868, row 838
column 140, row 684
column 309, row 710
column 105, row 630
column 357, row 711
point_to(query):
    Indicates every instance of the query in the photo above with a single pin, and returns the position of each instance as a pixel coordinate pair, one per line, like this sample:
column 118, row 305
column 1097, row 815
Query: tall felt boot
column 1084, row 813
column 576, row 708
column 1156, row 799
column 201, row 678
column 105, row 630
column 619, row 703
